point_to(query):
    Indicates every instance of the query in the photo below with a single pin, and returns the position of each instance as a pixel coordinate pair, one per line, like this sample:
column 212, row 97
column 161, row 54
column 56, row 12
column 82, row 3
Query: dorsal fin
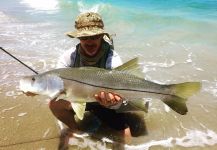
column 132, row 66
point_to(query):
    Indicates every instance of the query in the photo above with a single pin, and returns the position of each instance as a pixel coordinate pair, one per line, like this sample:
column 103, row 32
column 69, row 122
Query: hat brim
column 83, row 33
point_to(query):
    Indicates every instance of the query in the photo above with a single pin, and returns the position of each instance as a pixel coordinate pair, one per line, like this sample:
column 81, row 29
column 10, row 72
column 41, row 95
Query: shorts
column 110, row 117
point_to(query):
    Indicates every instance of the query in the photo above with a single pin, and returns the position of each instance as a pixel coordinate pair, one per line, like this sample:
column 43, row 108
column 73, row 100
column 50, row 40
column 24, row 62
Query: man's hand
column 108, row 99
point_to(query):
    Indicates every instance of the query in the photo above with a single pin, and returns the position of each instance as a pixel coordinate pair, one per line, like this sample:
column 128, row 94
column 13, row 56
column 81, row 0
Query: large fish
column 78, row 85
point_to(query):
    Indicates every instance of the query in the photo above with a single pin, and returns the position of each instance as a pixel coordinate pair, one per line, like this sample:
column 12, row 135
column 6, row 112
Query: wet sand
column 26, row 123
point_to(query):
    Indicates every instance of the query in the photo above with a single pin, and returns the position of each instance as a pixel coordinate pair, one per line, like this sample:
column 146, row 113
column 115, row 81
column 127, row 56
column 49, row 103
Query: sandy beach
column 175, row 41
column 26, row 124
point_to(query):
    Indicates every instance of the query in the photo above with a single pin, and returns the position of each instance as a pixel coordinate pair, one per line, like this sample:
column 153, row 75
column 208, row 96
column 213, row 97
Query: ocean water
column 176, row 41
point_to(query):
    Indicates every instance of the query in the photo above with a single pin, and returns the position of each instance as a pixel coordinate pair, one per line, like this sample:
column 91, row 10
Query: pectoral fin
column 79, row 109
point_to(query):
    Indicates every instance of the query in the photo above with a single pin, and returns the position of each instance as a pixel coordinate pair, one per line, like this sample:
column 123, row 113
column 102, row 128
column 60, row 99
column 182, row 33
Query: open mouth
column 90, row 46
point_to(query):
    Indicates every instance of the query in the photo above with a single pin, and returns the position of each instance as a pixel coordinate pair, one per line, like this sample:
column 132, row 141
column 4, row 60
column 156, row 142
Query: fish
column 79, row 84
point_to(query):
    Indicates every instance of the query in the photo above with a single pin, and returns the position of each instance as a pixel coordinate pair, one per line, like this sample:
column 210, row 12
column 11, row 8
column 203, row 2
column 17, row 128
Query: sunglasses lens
column 83, row 38
column 90, row 37
column 96, row 37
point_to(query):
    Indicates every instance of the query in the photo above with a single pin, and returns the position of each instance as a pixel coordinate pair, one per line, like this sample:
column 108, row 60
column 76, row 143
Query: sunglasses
column 95, row 37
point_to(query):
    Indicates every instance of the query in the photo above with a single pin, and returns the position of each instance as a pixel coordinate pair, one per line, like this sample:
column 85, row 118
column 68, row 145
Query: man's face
column 91, row 44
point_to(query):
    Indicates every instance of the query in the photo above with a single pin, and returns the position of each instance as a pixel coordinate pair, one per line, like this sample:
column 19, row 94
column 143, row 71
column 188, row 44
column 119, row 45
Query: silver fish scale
column 107, row 78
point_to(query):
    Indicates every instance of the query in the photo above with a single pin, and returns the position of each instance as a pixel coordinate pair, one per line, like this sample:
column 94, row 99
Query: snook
column 78, row 85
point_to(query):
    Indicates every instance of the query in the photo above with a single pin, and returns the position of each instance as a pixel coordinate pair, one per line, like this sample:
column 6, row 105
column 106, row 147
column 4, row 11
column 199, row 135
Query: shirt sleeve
column 113, row 60
column 67, row 59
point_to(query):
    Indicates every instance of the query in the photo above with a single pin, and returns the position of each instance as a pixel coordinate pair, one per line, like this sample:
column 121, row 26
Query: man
column 93, row 50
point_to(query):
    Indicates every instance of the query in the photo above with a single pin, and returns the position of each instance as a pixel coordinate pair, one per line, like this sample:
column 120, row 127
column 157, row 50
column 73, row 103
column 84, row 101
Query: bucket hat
column 87, row 24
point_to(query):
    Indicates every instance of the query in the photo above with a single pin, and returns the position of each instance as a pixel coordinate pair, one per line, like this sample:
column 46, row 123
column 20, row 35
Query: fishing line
column 28, row 142
column 18, row 60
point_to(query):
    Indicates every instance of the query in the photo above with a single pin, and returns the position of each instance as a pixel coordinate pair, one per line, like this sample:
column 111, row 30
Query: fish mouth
column 29, row 94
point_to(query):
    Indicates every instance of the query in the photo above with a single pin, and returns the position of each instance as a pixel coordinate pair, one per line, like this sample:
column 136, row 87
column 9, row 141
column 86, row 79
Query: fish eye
column 33, row 79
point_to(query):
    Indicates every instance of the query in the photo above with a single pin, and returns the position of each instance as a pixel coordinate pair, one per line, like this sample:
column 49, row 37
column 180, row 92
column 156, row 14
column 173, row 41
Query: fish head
column 48, row 84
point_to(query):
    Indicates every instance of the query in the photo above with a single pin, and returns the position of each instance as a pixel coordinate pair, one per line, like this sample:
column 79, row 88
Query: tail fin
column 180, row 93
column 185, row 90
column 176, row 103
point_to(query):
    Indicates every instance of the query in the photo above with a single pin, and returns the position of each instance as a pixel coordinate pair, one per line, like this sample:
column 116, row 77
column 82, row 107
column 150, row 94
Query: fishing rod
column 18, row 60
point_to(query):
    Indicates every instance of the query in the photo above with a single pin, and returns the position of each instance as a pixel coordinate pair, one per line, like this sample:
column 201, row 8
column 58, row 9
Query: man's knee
column 52, row 104
column 60, row 105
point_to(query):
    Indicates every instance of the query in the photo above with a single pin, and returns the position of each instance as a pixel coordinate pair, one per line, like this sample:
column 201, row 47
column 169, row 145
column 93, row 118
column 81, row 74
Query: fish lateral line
column 121, row 89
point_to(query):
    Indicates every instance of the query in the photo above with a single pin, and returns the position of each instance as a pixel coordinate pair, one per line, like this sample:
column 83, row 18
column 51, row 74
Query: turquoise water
column 142, row 22
column 176, row 41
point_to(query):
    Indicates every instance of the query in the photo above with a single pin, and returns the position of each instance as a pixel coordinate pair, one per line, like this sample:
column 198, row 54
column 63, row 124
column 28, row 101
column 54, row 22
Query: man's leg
column 62, row 110
column 136, row 123
column 112, row 119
